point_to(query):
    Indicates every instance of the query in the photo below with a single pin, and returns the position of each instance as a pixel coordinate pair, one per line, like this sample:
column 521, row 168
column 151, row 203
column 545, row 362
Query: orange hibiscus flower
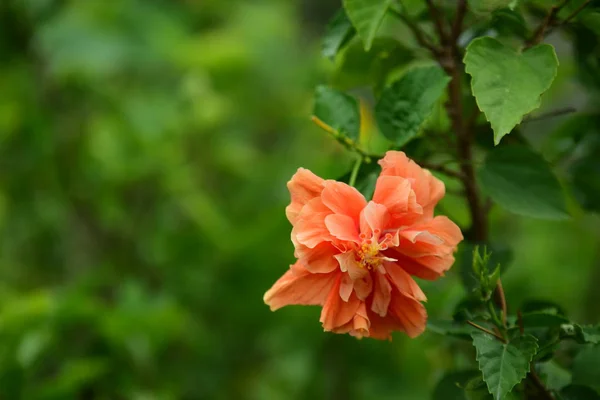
column 356, row 258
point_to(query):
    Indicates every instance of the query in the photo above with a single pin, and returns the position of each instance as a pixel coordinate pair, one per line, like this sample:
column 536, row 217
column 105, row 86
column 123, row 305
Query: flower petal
column 309, row 228
column 303, row 187
column 428, row 189
column 382, row 295
column 438, row 236
column 348, row 263
column 343, row 199
column 337, row 312
column 426, row 267
column 396, row 194
column 342, row 227
column 410, row 313
column 298, row 286
column 318, row 260
column 404, row 282
column 374, row 216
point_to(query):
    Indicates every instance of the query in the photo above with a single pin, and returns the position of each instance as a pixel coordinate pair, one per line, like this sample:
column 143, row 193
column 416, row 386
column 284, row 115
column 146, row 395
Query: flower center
column 368, row 252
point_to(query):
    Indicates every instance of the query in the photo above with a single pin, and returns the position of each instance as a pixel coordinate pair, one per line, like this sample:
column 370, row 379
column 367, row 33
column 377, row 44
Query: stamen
column 384, row 246
column 362, row 236
column 377, row 231
column 368, row 241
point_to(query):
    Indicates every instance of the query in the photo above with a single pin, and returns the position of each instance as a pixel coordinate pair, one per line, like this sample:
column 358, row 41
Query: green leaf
column 507, row 85
column 357, row 67
column 543, row 320
column 404, row 106
column 578, row 392
column 451, row 386
column 522, row 182
column 500, row 255
column 585, row 172
column 366, row 16
column 338, row 110
column 586, row 367
column 589, row 333
column 554, row 376
column 503, row 364
column 339, row 31
column 485, row 6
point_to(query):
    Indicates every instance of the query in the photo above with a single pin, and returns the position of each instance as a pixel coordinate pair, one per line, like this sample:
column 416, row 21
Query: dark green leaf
column 585, row 172
column 339, row 31
column 338, row 110
column 366, row 16
column 537, row 305
column 503, row 364
column 522, row 182
column 508, row 85
column 578, row 392
column 586, row 367
column 451, row 386
column 366, row 178
column 509, row 22
column 554, row 376
column 404, row 106
column 543, row 320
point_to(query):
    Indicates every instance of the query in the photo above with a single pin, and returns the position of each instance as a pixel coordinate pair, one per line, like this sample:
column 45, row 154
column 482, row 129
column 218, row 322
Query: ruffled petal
column 428, row 189
column 342, row 227
column 426, row 267
column 382, row 295
column 299, row 286
column 304, row 186
column 309, row 229
column 396, row 194
column 348, row 263
column 343, row 199
column 337, row 312
column 404, row 282
column 410, row 313
column 374, row 216
column 320, row 259
column 435, row 237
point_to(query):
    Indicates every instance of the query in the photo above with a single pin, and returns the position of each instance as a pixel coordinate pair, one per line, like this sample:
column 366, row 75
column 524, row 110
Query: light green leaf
column 338, row 110
column 404, row 106
column 522, row 182
column 339, row 31
column 507, row 85
column 366, row 16
column 503, row 364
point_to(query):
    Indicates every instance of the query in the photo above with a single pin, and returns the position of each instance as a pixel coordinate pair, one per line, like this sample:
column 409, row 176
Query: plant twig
column 349, row 143
column 355, row 170
column 419, row 34
column 442, row 169
column 481, row 328
column 520, row 322
column 438, row 21
column 461, row 11
column 539, row 384
column 546, row 23
column 577, row 11
column 501, row 300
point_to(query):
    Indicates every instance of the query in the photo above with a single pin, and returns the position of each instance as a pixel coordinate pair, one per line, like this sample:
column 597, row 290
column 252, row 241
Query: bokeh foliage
column 145, row 147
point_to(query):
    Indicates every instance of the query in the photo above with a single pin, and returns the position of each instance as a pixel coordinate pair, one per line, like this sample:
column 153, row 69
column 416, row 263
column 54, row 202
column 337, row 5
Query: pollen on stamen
column 388, row 236
column 377, row 231
column 383, row 247
column 368, row 241
column 362, row 236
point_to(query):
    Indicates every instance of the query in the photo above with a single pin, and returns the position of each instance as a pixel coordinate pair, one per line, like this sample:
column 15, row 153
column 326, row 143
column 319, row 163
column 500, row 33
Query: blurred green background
column 144, row 151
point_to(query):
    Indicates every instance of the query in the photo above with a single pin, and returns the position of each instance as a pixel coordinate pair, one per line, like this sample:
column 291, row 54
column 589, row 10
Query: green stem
column 355, row 170
column 494, row 315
